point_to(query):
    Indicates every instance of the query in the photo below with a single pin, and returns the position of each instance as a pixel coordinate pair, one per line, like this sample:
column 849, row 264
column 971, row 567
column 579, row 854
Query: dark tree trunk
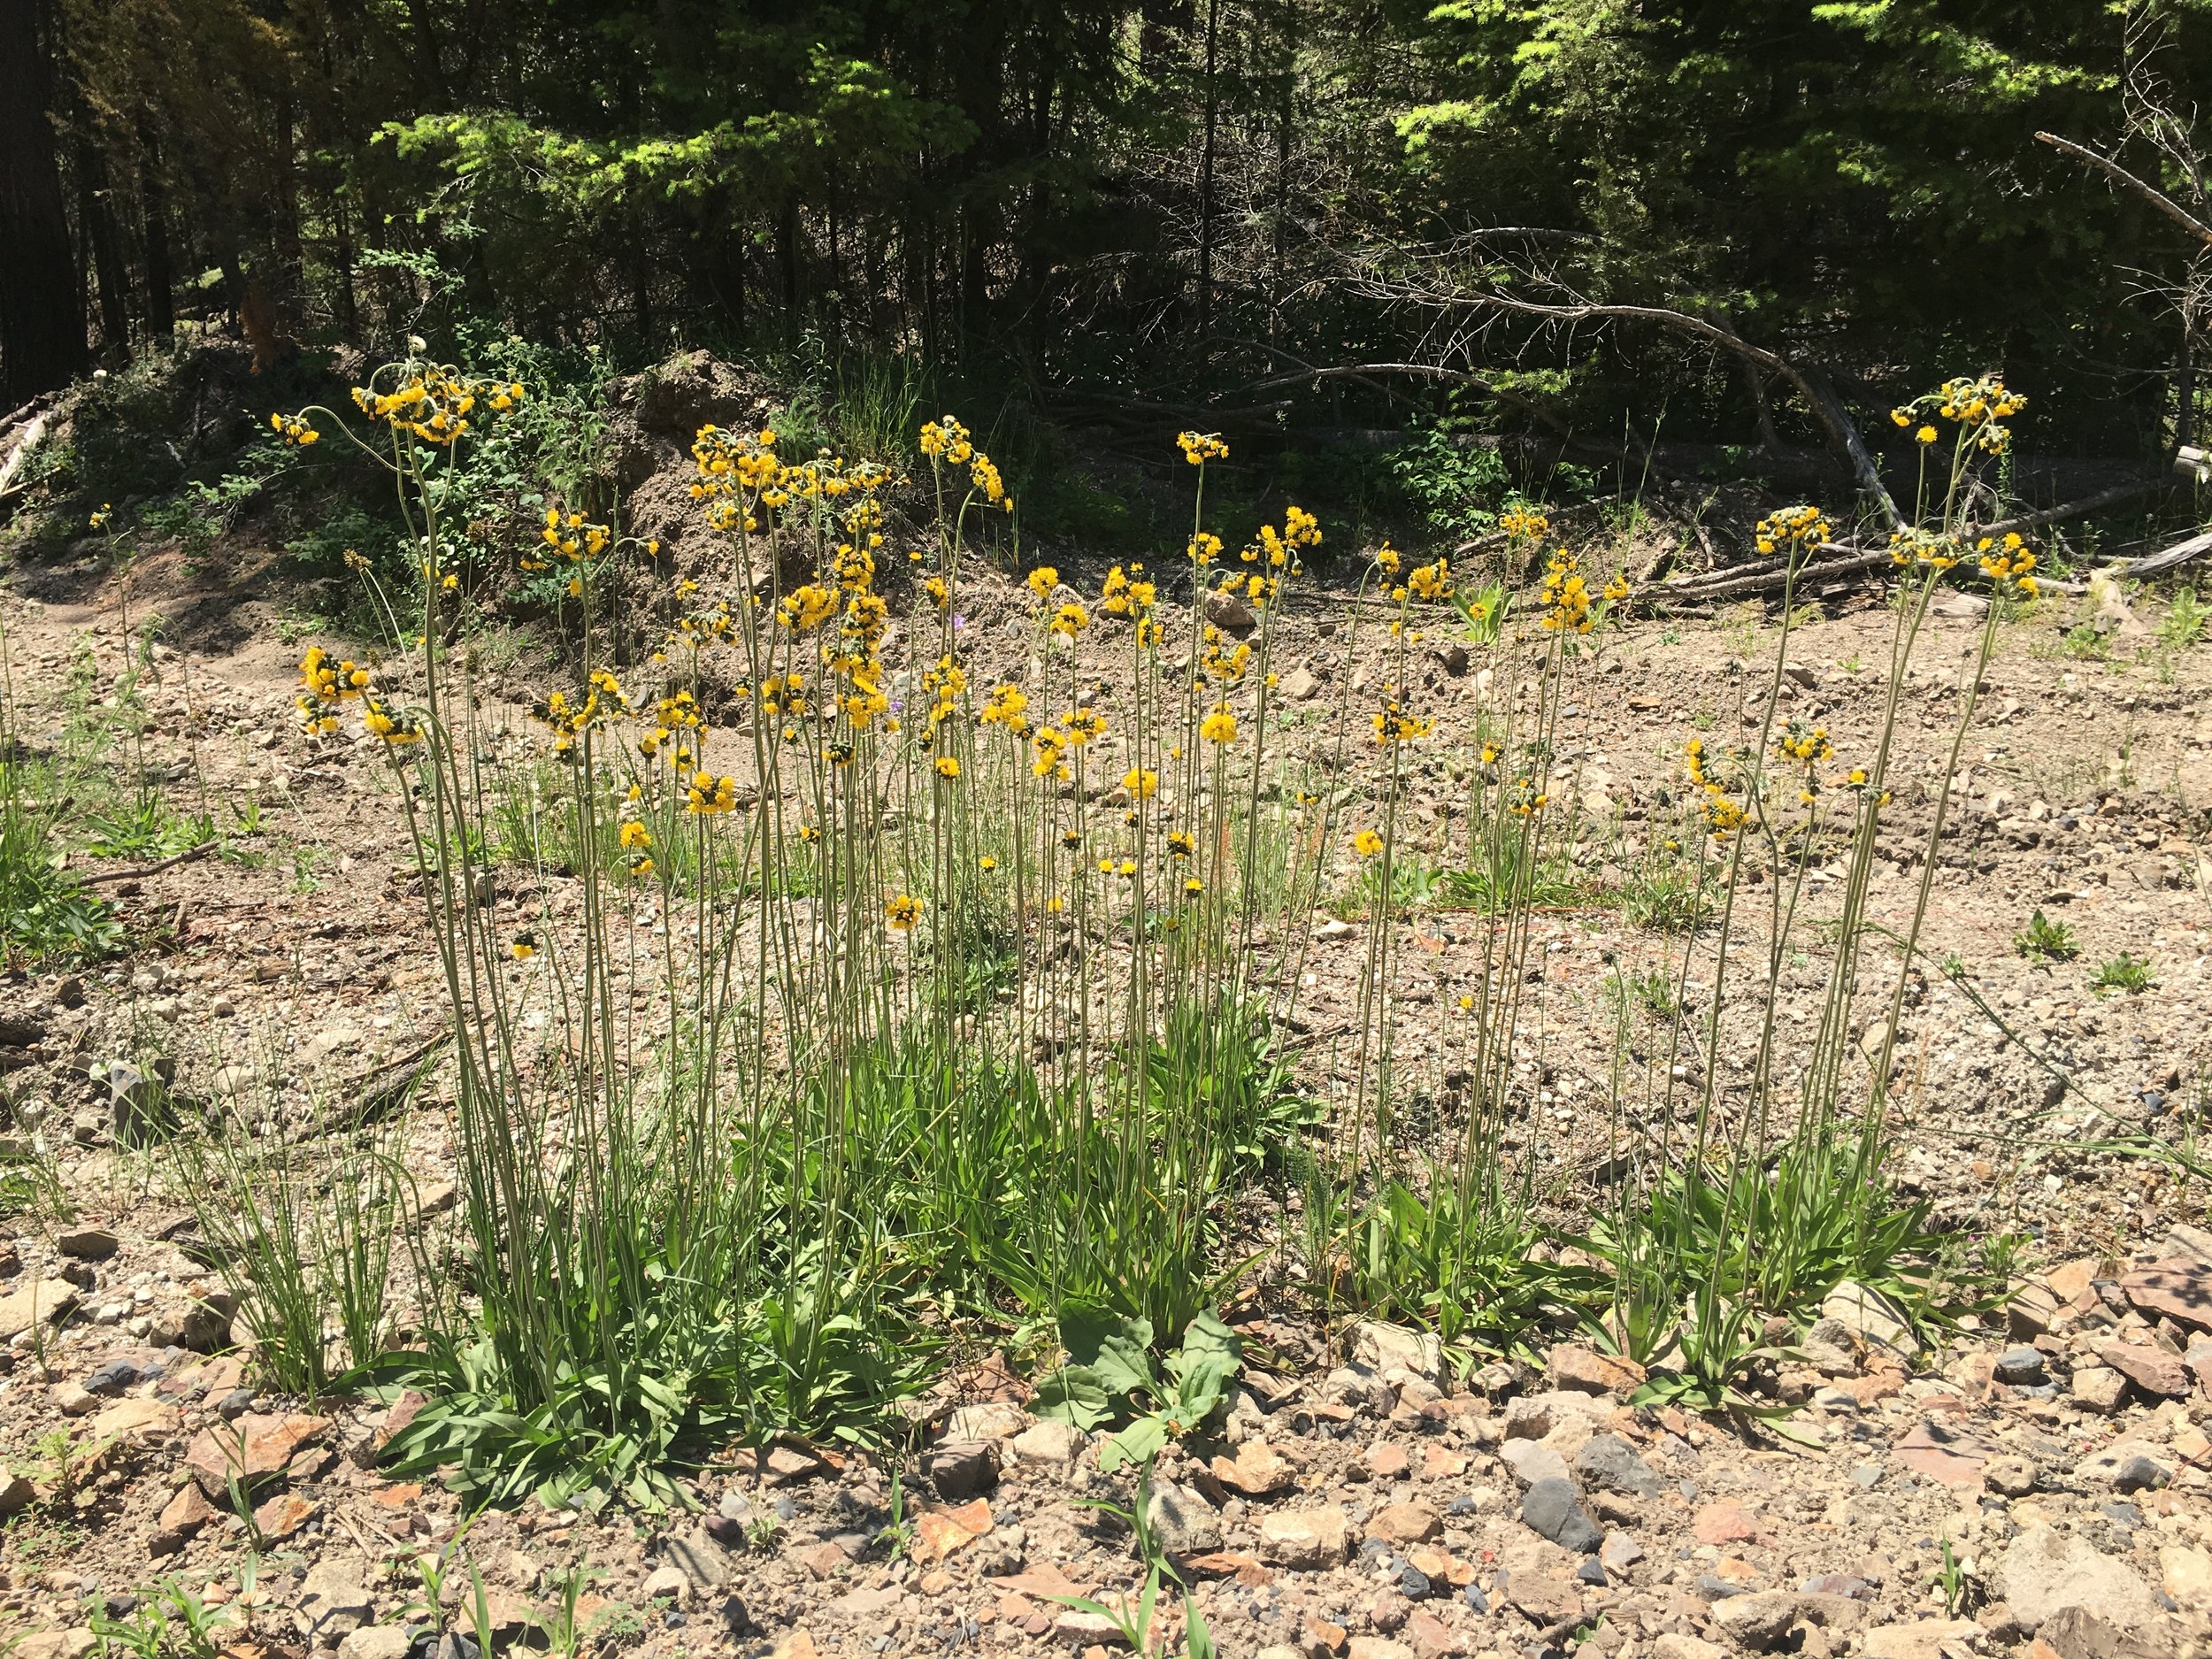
column 96, row 215
column 42, row 326
column 1206, row 174
column 153, row 208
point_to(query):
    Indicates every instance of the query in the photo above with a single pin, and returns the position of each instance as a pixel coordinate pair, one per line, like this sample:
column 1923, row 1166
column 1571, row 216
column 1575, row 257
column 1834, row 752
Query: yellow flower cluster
column 1803, row 742
column 1926, row 548
column 2009, row 564
column 435, row 403
column 1394, row 724
column 567, row 537
column 1199, row 448
column 945, row 440
column 707, row 795
column 569, row 717
column 1792, row 529
column 1723, row 814
column 637, row 840
column 1566, row 596
column 292, row 430
column 327, row 684
column 1367, row 843
column 1975, row 406
column 1126, row 592
column 1523, row 525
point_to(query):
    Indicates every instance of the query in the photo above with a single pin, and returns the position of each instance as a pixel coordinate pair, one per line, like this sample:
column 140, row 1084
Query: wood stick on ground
column 184, row 857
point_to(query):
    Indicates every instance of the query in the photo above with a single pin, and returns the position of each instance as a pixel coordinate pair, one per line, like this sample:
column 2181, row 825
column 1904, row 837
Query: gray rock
column 1764, row 1620
column 1871, row 1318
column 700, row 1559
column 961, row 1469
column 1532, row 1461
column 2140, row 1474
column 2074, row 1632
column 1050, row 1442
column 1611, row 1462
column 1380, row 1347
column 2047, row 1569
column 1551, row 1509
column 2128, row 1465
column 376, row 1641
column 334, row 1600
column 2018, row 1365
column 1184, row 1522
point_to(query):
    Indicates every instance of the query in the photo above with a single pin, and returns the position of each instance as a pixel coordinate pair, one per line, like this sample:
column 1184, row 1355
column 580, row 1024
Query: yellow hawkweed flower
column 1043, row 580
column 1141, row 782
column 708, row 795
column 1367, row 843
column 947, row 766
column 1199, row 448
column 1220, row 726
column 903, row 912
column 524, row 946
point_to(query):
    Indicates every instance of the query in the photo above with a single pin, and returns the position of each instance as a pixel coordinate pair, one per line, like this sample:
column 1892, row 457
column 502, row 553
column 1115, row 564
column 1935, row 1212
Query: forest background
column 1309, row 220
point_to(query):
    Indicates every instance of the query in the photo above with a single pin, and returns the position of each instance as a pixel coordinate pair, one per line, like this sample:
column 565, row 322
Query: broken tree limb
column 136, row 870
column 1812, row 385
column 1774, row 573
column 24, row 445
column 2149, row 192
column 2184, row 552
column 2078, row 509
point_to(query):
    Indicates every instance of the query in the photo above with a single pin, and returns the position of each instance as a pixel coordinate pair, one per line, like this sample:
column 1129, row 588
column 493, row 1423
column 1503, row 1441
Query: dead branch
column 1811, row 383
column 131, row 874
column 2183, row 552
column 2149, row 192
column 2078, row 509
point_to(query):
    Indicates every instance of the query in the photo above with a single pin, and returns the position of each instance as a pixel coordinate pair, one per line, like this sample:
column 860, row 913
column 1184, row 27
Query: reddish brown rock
column 784, row 1467
column 186, row 1513
column 2178, row 1288
column 1404, row 1523
column 253, row 1449
column 1580, row 1367
column 1948, row 1456
column 942, row 1532
column 2147, row 1365
column 1387, row 1462
column 1258, row 1471
column 1440, row 1464
column 284, row 1514
column 1318, row 1635
column 1430, row 1638
column 1726, row 1523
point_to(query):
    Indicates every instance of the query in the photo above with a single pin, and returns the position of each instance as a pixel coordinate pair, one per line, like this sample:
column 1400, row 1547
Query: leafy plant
column 2044, row 940
column 2184, row 623
column 1110, row 1378
column 2125, row 972
column 1453, row 480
